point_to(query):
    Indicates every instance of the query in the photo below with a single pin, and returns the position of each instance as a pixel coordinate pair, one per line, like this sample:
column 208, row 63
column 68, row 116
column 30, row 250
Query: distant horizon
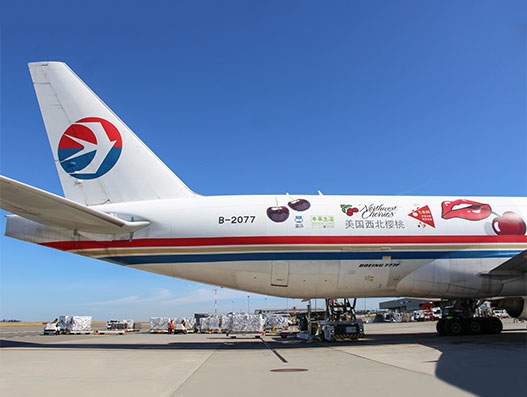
column 319, row 307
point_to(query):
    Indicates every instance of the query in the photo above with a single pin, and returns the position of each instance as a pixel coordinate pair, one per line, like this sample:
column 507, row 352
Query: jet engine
column 516, row 307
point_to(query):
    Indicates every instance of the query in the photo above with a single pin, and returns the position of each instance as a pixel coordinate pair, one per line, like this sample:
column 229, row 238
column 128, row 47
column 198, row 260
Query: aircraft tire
column 494, row 325
column 453, row 327
column 474, row 326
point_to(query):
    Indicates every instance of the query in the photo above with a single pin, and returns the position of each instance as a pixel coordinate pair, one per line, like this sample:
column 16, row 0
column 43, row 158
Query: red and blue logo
column 89, row 148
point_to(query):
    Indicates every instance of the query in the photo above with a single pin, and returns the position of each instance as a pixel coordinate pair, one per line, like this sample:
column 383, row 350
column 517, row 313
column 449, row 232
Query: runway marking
column 280, row 357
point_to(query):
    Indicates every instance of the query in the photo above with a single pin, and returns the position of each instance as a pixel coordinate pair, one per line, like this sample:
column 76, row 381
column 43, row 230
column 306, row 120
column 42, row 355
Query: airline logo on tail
column 89, row 148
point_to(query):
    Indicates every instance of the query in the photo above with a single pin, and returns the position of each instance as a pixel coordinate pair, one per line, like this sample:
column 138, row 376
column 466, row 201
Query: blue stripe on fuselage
column 308, row 256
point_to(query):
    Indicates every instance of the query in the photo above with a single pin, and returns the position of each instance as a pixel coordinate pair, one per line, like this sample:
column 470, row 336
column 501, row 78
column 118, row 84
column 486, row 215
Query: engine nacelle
column 516, row 307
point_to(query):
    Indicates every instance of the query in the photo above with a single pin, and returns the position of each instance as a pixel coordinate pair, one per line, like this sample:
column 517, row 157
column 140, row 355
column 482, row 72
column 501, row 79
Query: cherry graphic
column 299, row 204
column 509, row 223
column 350, row 211
column 278, row 213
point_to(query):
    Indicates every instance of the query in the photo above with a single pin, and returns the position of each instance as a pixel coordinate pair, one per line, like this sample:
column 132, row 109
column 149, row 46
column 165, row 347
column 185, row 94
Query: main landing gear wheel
column 470, row 326
column 494, row 325
column 453, row 327
column 463, row 318
column 474, row 326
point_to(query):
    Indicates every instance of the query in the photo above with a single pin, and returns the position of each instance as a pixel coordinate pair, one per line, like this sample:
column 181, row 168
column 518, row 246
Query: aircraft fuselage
column 314, row 246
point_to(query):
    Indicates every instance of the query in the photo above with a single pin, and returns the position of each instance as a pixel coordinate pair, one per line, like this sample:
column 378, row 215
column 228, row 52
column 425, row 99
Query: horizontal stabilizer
column 49, row 209
column 514, row 267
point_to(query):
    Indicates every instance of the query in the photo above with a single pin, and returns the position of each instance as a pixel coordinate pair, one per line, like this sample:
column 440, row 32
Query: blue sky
column 356, row 97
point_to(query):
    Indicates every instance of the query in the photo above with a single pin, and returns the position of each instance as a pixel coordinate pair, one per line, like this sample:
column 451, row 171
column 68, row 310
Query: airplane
column 123, row 205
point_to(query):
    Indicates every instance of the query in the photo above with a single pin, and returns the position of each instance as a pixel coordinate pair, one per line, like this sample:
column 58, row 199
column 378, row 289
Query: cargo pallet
column 211, row 331
column 159, row 331
column 255, row 334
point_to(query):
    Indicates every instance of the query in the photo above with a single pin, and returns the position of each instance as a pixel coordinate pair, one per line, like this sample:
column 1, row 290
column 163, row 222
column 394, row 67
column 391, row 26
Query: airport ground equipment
column 341, row 323
column 337, row 323
column 52, row 328
column 338, row 331
column 291, row 330
column 426, row 312
column 464, row 318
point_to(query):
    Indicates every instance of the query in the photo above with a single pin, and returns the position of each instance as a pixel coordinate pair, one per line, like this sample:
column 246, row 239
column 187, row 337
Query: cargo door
column 280, row 273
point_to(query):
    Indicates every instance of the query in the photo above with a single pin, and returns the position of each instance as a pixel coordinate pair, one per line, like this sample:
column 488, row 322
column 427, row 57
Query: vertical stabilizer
column 98, row 158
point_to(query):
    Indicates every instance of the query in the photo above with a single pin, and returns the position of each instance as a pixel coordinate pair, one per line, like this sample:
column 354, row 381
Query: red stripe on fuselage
column 282, row 240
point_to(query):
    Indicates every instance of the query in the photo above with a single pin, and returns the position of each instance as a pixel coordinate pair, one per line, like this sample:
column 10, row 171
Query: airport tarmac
column 393, row 359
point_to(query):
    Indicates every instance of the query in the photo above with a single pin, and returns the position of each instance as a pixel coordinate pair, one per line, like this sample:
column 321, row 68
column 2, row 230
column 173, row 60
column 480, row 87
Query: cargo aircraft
column 123, row 205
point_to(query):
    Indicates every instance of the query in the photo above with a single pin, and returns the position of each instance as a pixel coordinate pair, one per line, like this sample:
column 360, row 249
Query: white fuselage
column 314, row 246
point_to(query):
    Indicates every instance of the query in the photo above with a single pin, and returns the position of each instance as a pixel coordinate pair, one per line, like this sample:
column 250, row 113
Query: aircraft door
column 280, row 273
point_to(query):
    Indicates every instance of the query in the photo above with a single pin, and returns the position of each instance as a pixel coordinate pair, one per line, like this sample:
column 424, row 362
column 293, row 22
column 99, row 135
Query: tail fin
column 98, row 158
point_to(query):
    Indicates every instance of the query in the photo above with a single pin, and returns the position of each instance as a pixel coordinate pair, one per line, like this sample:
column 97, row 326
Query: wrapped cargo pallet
column 75, row 324
column 210, row 324
column 187, row 322
column 246, row 324
column 159, row 324
column 130, row 325
column 226, row 323
column 127, row 325
column 274, row 322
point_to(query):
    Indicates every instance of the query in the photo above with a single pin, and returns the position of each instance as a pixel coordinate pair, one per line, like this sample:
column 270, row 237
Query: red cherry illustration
column 278, row 213
column 299, row 204
column 509, row 223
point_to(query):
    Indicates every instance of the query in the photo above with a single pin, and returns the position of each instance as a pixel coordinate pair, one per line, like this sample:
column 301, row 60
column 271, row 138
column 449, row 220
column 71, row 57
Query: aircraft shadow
column 484, row 365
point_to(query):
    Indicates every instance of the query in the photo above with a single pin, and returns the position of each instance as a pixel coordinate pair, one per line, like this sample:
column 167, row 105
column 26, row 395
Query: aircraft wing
column 514, row 267
column 49, row 209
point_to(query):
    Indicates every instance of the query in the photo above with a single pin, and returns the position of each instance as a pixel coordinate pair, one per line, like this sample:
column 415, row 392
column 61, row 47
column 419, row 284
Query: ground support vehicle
column 52, row 329
column 291, row 330
column 338, row 331
column 341, row 323
column 456, row 322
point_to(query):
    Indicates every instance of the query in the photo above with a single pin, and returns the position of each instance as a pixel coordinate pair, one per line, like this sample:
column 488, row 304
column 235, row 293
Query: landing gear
column 494, row 325
column 453, row 327
column 462, row 319
column 475, row 325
